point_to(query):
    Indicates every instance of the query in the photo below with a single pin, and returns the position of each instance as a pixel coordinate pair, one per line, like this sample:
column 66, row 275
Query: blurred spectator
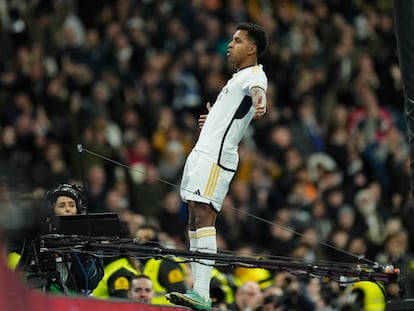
column 13, row 161
column 322, row 294
column 172, row 219
column 241, row 194
column 227, row 224
column 296, row 294
column 370, row 122
column 141, row 289
column 119, row 270
column 56, row 104
column 337, row 240
column 115, row 202
column 109, row 129
column 395, row 252
column 172, row 160
column 270, row 297
column 367, row 205
column 306, row 129
column 321, row 219
column 96, row 188
column 150, row 193
column 51, row 169
column 359, row 248
column 167, row 274
column 140, row 157
column 392, row 152
column 309, row 239
column 281, row 233
column 335, row 200
column 348, row 219
column 248, row 297
column 337, row 136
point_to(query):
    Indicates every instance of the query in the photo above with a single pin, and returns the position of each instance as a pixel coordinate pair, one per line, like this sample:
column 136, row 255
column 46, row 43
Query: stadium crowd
column 127, row 80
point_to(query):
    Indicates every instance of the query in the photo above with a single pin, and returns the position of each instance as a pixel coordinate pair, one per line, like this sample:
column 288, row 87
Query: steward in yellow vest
column 13, row 259
column 166, row 274
column 262, row 276
column 221, row 287
column 117, row 277
column 369, row 295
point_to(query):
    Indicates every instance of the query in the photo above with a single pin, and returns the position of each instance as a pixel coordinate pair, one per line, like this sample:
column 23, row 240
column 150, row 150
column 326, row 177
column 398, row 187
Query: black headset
column 73, row 191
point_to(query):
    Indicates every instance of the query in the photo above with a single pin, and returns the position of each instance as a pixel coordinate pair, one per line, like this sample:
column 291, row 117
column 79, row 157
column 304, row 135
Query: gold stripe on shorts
column 206, row 232
column 212, row 180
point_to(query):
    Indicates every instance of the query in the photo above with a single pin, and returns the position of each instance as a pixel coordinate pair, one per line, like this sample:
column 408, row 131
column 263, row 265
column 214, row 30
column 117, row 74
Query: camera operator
column 69, row 272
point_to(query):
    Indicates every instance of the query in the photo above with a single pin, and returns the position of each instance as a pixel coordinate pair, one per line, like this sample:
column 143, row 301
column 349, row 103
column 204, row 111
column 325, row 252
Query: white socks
column 203, row 241
column 192, row 235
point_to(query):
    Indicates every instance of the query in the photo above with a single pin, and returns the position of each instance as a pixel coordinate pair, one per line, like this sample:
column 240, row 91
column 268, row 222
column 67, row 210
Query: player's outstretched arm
column 259, row 101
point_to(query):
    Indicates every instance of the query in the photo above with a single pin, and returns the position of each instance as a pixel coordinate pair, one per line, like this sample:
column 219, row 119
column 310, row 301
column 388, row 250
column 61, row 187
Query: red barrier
column 89, row 304
column 15, row 296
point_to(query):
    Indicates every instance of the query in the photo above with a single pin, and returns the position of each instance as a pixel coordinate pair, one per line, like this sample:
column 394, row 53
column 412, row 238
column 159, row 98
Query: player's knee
column 205, row 217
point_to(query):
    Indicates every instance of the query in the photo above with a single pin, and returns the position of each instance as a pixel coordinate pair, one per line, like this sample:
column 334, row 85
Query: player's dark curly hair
column 257, row 34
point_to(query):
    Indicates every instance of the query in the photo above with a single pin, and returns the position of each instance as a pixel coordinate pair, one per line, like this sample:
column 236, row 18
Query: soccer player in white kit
column 213, row 161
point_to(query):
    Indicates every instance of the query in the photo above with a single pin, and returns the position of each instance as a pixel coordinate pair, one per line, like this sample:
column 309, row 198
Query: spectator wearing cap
column 167, row 274
column 119, row 270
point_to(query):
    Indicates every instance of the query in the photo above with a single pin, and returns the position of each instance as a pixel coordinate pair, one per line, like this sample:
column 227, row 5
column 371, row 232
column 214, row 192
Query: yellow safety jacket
column 374, row 299
column 13, row 259
column 262, row 276
column 152, row 270
column 225, row 286
column 121, row 283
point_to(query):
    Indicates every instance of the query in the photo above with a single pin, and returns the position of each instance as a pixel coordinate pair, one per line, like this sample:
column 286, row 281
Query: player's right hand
column 202, row 118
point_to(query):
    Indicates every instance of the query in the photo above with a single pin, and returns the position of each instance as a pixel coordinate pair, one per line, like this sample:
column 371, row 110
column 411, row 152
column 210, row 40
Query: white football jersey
column 230, row 116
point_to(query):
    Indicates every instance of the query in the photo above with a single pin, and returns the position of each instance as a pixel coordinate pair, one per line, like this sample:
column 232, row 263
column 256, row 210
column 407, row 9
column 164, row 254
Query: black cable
column 359, row 257
column 80, row 151
column 334, row 270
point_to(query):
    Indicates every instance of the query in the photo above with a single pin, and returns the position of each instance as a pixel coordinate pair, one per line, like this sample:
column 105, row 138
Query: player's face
column 65, row 206
column 240, row 47
column 141, row 290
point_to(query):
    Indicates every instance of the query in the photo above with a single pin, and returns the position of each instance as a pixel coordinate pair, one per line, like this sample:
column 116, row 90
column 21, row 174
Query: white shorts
column 204, row 181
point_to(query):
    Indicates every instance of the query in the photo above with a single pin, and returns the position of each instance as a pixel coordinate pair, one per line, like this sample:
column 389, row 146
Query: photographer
column 68, row 272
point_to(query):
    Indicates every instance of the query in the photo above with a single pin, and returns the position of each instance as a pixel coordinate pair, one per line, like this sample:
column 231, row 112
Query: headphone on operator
column 73, row 191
